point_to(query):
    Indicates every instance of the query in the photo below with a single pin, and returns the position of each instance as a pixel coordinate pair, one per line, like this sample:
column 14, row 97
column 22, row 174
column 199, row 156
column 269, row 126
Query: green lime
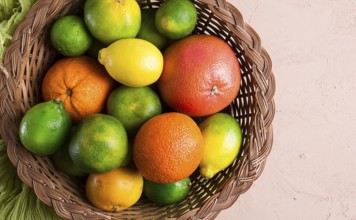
column 100, row 144
column 176, row 18
column 133, row 106
column 70, row 37
column 94, row 49
column 148, row 30
column 64, row 162
column 167, row 193
column 45, row 127
column 111, row 20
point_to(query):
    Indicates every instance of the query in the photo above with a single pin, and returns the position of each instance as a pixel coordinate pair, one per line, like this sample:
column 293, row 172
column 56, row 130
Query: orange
column 201, row 75
column 116, row 190
column 81, row 83
column 168, row 148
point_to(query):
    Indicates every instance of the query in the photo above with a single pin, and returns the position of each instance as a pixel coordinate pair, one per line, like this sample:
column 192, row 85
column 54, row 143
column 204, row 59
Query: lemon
column 45, row 127
column 110, row 20
column 176, row 18
column 132, row 62
column 222, row 142
column 70, row 37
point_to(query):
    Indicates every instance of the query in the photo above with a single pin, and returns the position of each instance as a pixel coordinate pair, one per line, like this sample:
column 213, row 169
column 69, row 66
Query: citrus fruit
column 111, row 20
column 64, row 162
column 176, row 18
column 45, row 127
column 99, row 145
column 116, row 190
column 167, row 193
column 94, row 49
column 81, row 83
column 222, row 142
column 133, row 106
column 168, row 147
column 148, row 30
column 132, row 62
column 201, row 75
column 69, row 36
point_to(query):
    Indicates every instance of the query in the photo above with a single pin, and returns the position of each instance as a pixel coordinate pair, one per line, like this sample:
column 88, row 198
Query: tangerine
column 168, row 147
column 81, row 83
column 201, row 75
column 116, row 190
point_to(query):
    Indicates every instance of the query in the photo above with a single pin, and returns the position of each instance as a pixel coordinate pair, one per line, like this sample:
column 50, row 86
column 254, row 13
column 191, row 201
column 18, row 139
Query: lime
column 45, row 127
column 94, row 49
column 111, row 20
column 167, row 193
column 64, row 162
column 133, row 106
column 222, row 142
column 99, row 145
column 70, row 37
column 132, row 62
column 148, row 30
column 176, row 18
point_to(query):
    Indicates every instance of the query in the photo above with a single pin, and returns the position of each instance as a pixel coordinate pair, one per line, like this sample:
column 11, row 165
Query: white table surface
column 310, row 173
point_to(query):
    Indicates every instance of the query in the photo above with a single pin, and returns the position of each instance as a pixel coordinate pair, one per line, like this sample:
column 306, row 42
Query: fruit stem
column 115, row 208
column 120, row 1
column 57, row 101
column 214, row 90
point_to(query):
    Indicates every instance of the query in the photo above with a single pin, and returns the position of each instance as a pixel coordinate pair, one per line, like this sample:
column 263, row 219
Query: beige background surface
column 310, row 173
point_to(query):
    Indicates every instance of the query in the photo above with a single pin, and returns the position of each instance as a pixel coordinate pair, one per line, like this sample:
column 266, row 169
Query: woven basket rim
column 254, row 159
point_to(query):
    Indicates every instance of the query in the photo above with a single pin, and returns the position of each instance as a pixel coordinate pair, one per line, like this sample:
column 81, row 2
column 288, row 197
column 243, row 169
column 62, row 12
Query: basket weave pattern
column 30, row 55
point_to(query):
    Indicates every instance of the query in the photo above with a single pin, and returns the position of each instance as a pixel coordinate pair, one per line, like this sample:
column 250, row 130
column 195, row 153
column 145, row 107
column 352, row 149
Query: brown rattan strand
column 30, row 55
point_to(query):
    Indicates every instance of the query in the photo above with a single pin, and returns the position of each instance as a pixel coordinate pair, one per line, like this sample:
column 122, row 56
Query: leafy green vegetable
column 12, row 12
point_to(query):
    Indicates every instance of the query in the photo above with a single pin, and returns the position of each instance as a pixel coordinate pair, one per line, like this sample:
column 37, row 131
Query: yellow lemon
column 133, row 62
column 222, row 142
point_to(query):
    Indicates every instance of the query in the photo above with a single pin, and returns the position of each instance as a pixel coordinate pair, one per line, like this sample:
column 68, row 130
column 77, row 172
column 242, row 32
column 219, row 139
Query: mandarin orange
column 81, row 83
column 168, row 147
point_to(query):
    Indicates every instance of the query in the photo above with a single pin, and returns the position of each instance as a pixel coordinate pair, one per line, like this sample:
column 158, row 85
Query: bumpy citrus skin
column 82, row 84
column 116, row 190
column 100, row 144
column 148, row 30
column 132, row 62
column 168, row 148
column 70, row 36
column 222, row 142
column 110, row 20
column 133, row 106
column 176, row 18
column 167, row 194
column 45, row 127
column 201, row 75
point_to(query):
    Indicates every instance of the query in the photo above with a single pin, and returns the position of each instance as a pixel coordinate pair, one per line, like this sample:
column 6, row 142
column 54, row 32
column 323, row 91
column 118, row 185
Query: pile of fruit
column 120, row 104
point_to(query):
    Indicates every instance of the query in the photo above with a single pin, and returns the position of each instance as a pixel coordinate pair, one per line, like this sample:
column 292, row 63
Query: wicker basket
column 30, row 55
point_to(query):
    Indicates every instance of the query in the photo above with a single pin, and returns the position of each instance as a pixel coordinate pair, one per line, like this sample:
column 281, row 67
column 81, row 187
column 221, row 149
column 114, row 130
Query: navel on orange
column 81, row 83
